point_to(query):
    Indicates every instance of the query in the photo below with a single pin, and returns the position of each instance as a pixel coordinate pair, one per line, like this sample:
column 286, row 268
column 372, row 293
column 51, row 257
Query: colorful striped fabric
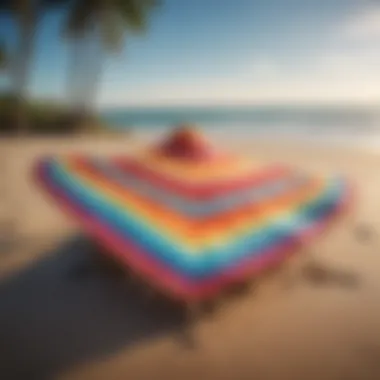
column 192, row 228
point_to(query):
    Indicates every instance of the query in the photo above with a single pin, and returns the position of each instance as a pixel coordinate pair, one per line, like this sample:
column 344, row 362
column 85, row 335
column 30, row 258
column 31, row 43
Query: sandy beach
column 63, row 318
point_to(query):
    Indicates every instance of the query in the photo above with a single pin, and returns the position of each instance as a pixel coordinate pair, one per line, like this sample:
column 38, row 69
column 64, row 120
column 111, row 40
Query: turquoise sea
column 326, row 124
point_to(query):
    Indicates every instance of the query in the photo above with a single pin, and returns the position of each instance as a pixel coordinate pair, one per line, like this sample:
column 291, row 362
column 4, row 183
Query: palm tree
column 96, row 28
column 27, row 15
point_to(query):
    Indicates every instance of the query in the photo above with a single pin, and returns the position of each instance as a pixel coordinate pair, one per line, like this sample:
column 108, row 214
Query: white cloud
column 349, row 65
column 262, row 68
column 363, row 25
column 331, row 76
column 303, row 89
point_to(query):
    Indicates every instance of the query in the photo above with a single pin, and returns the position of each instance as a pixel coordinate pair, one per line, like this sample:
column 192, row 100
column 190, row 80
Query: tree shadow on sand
column 319, row 274
column 67, row 308
column 316, row 273
column 62, row 311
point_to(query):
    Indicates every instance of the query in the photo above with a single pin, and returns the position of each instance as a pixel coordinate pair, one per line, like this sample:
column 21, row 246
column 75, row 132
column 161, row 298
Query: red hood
column 187, row 143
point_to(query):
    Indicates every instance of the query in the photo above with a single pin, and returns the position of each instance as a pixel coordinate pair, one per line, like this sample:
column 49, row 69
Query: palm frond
column 6, row 5
column 80, row 18
column 134, row 14
column 112, row 30
column 53, row 3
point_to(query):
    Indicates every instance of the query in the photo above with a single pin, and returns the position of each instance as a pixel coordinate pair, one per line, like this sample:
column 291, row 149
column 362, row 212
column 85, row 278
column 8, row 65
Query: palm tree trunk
column 24, row 55
column 83, row 75
column 90, row 70
column 95, row 66
column 76, row 72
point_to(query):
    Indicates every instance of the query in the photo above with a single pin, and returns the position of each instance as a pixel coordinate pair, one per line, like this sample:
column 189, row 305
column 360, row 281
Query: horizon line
column 343, row 103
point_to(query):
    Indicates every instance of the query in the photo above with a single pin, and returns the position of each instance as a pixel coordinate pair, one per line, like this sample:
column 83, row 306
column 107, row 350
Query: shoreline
column 366, row 142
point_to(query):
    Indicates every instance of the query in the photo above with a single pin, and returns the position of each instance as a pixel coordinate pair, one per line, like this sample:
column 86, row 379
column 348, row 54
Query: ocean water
column 356, row 126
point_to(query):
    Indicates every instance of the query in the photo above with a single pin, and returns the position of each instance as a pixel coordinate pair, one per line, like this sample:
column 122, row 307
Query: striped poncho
column 192, row 227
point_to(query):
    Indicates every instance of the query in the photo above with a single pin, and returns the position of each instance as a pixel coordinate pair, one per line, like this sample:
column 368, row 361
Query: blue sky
column 232, row 52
